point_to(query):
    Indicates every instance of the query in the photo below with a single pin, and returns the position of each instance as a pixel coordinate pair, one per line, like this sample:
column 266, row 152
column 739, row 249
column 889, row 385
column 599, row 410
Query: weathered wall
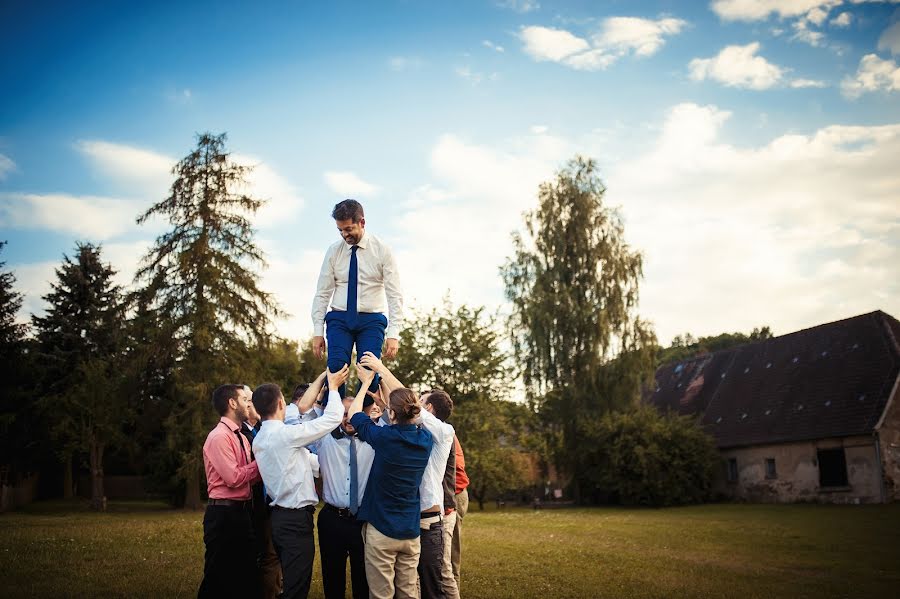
column 889, row 441
column 797, row 473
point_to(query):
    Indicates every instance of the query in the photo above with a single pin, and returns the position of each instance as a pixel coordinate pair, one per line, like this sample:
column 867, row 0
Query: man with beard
column 357, row 274
column 230, row 560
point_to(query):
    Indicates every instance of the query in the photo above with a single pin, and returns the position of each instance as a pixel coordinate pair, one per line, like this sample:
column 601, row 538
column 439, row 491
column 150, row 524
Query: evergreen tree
column 15, row 413
column 198, row 279
column 80, row 343
column 573, row 283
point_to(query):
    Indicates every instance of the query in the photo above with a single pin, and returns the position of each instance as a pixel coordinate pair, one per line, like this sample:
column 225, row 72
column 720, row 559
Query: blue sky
column 750, row 144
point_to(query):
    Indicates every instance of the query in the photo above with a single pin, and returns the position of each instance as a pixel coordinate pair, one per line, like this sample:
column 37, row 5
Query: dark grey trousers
column 292, row 535
column 431, row 561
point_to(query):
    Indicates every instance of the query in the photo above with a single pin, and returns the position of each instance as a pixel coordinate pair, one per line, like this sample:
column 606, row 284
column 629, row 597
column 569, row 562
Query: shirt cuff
column 319, row 329
column 392, row 332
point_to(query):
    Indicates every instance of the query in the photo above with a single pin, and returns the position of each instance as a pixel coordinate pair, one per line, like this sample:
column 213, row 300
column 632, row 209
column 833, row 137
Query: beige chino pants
column 391, row 565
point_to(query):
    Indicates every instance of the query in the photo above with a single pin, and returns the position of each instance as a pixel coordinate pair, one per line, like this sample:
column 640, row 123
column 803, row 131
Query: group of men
column 264, row 457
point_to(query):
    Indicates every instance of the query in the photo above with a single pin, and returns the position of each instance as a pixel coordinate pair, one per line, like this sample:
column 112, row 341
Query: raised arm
column 308, row 432
column 365, row 379
column 371, row 362
column 311, row 394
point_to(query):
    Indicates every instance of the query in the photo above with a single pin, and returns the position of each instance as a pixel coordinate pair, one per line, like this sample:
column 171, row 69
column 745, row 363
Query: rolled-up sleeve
column 324, row 291
column 393, row 292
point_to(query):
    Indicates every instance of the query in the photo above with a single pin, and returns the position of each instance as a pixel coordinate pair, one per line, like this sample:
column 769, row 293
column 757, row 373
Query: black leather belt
column 343, row 512
column 308, row 508
column 424, row 515
column 241, row 503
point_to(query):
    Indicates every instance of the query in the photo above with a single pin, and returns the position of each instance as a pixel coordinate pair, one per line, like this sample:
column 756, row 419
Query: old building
column 809, row 416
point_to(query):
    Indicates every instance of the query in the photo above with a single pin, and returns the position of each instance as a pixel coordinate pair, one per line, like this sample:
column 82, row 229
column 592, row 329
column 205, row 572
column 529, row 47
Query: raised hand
column 366, row 376
column 369, row 361
column 336, row 379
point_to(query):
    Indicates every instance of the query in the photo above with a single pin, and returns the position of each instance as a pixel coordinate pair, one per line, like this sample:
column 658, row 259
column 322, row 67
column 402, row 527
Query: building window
column 832, row 467
column 770, row 468
column 732, row 470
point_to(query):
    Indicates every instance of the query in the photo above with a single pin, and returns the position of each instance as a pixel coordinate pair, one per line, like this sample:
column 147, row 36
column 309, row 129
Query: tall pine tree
column 199, row 280
column 80, row 344
column 573, row 284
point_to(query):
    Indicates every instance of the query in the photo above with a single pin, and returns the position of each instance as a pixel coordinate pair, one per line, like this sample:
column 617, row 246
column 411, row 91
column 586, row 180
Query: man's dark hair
column 266, row 398
column 299, row 390
column 221, row 396
column 348, row 210
column 440, row 402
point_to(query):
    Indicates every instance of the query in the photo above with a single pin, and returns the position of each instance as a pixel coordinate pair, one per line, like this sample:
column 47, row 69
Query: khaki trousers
column 391, row 565
column 448, row 581
column 462, row 506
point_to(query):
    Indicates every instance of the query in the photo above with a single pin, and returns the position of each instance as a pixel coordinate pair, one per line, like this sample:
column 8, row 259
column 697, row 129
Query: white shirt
column 377, row 276
column 334, row 461
column 431, row 491
column 285, row 463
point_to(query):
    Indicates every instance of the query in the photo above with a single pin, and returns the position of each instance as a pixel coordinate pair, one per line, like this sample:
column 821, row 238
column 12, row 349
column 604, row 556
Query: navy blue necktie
column 352, row 310
column 354, row 482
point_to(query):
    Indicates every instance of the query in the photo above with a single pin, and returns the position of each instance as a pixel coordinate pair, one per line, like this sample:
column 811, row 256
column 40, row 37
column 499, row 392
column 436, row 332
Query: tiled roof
column 832, row 380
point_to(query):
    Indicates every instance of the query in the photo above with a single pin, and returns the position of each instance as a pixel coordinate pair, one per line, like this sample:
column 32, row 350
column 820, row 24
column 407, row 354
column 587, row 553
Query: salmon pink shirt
column 229, row 471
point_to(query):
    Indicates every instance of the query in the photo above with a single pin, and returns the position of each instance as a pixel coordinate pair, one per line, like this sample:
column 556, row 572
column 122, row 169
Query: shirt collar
column 230, row 424
column 270, row 423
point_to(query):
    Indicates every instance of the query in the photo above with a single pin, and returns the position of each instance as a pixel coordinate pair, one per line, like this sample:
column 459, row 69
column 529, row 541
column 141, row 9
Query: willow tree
column 201, row 281
column 573, row 284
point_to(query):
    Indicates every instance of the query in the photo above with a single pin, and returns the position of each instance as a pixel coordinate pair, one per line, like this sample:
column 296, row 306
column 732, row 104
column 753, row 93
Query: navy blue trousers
column 367, row 333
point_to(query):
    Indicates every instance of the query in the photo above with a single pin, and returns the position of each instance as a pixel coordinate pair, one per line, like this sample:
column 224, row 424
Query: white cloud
column 631, row 34
column 617, row 37
column 521, row 6
column 349, row 184
column 148, row 175
column 759, row 10
column 150, row 171
column 733, row 237
column 405, row 63
column 539, row 129
column 549, row 44
column 842, row 20
column 473, row 77
column 737, row 66
column 492, row 46
column 762, row 235
column 89, row 218
column 874, row 74
column 283, row 202
column 805, row 83
column 6, row 166
column 803, row 33
column 890, row 39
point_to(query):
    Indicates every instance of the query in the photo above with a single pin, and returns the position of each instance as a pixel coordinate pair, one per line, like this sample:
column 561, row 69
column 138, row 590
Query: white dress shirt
column 283, row 459
column 377, row 276
column 334, row 462
column 431, row 491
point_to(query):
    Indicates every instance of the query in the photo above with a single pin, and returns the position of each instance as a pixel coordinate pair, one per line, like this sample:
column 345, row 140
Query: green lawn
column 55, row 549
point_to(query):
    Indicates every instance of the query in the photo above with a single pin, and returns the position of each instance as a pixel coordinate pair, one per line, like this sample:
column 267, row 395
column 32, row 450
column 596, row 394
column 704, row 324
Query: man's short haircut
column 266, row 398
column 299, row 390
column 221, row 396
column 348, row 210
column 440, row 402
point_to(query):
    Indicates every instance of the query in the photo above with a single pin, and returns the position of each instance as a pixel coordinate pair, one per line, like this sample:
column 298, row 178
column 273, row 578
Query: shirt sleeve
column 324, row 292
column 393, row 293
column 291, row 414
column 308, row 432
column 224, row 460
column 435, row 426
column 367, row 430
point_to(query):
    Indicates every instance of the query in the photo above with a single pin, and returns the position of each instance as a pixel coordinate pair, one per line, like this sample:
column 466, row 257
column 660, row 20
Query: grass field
column 145, row 550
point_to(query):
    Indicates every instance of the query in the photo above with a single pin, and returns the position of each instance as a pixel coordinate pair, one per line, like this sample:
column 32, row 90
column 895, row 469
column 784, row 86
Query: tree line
column 123, row 377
